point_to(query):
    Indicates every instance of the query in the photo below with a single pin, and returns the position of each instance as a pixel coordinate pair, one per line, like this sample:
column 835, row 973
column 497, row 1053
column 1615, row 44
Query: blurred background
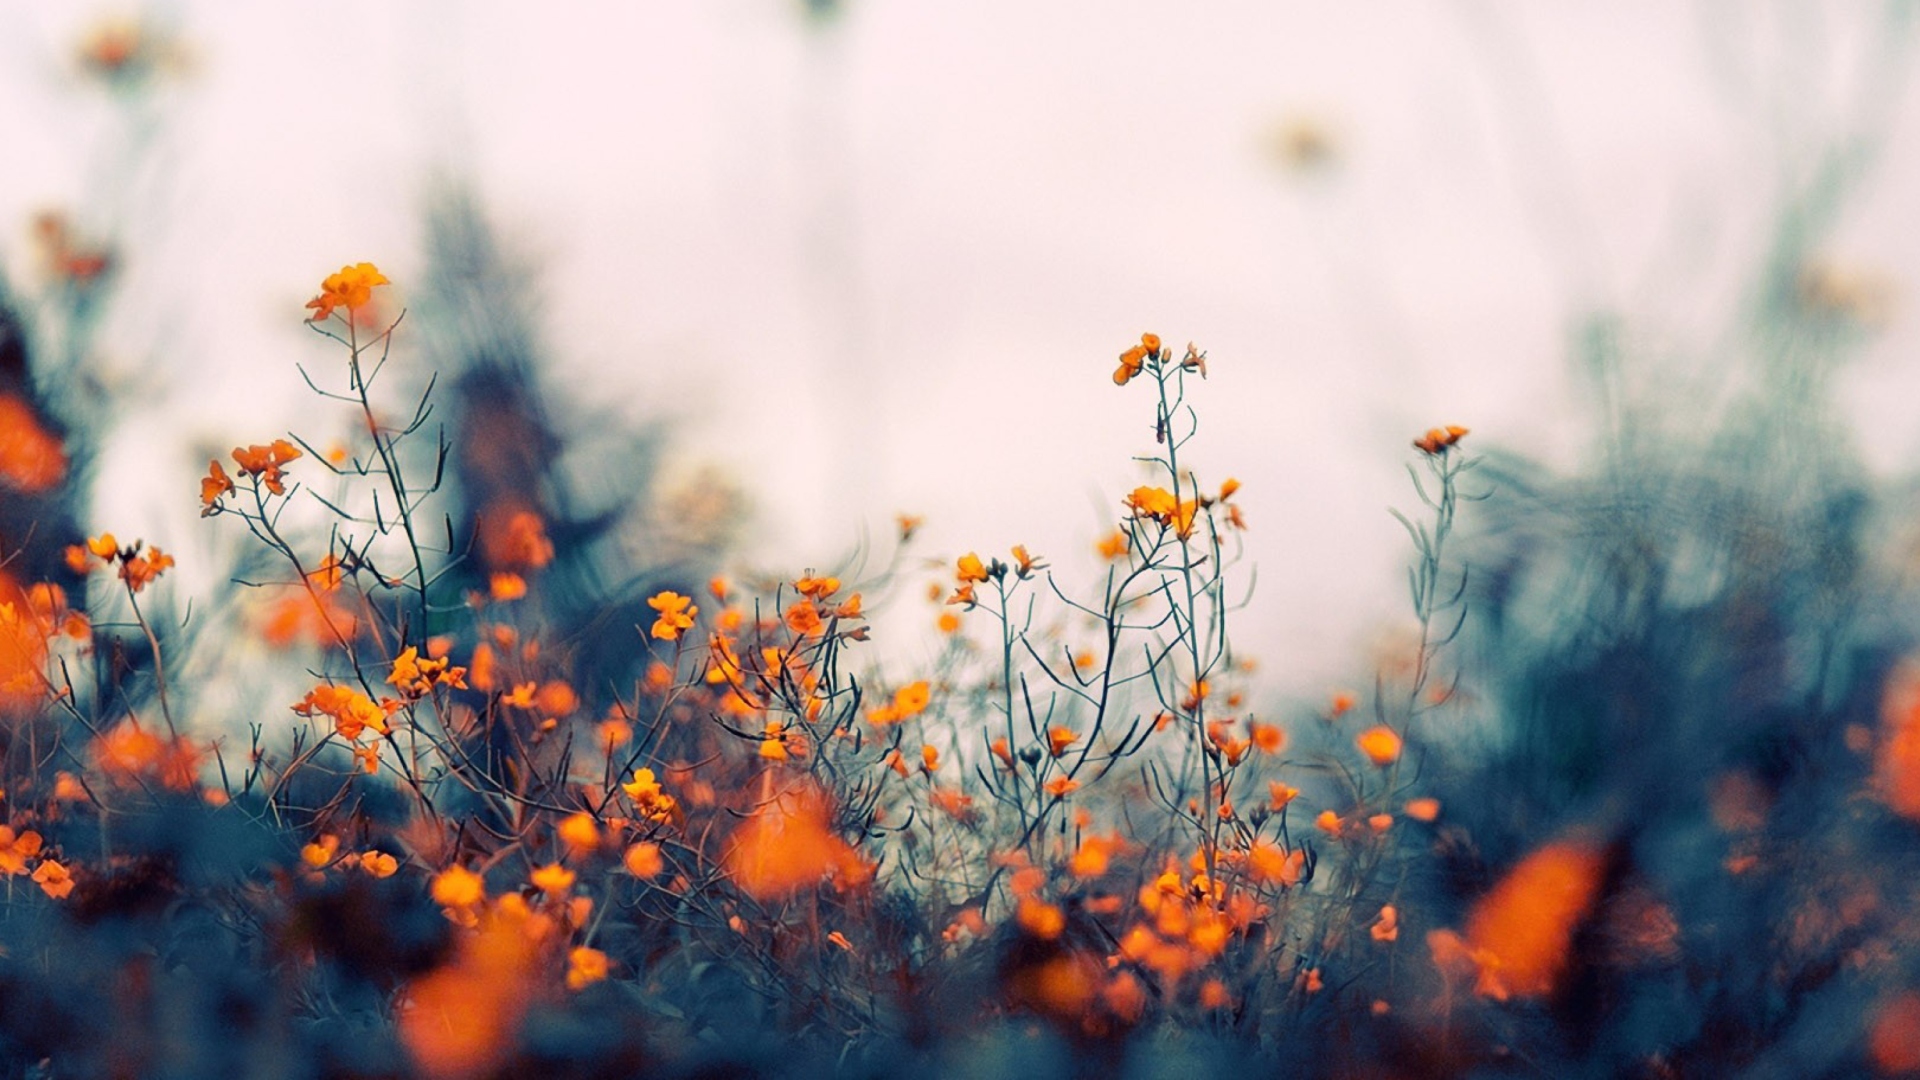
column 855, row 259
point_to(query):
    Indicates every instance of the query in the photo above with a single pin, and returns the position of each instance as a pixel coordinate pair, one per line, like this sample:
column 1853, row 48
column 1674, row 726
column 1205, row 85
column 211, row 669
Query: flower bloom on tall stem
column 1439, row 440
column 351, row 288
column 1136, row 358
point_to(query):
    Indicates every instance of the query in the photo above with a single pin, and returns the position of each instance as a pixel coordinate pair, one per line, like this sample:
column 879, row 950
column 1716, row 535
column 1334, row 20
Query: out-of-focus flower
column 1380, row 744
column 585, row 967
column 1438, row 441
column 32, row 458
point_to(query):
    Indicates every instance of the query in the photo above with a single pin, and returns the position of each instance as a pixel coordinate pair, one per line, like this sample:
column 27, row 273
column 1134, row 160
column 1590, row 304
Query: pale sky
column 887, row 264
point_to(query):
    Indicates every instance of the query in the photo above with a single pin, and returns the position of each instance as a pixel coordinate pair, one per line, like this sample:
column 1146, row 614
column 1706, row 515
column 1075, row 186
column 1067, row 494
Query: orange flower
column 1380, row 744
column 970, row 568
column 32, row 459
column 585, row 967
column 351, row 288
column 803, row 618
column 649, row 800
column 1153, row 502
column 1114, row 546
column 54, row 879
column 676, row 614
column 643, row 860
column 552, row 879
column 790, row 845
column 1279, row 794
column 1423, row 809
column 506, row 586
column 264, row 462
column 1269, row 739
column 1061, row 786
column 579, row 832
column 352, row 712
column 458, row 887
column 512, row 537
column 16, row 850
column 1439, row 440
column 379, row 864
column 320, row 852
column 213, row 485
column 1387, row 927
column 1518, row 935
column 1025, row 564
column 1060, row 738
column 1135, row 358
column 817, row 588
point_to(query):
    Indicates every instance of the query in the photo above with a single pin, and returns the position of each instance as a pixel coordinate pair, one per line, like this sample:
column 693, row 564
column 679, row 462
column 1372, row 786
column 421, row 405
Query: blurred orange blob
column 23, row 650
column 1518, row 935
column 1897, row 765
column 1893, row 1042
column 789, row 845
column 31, row 457
column 458, row 1020
column 513, row 538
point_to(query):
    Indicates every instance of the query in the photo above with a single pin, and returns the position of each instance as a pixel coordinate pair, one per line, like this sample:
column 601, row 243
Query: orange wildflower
column 54, row 879
column 1380, row 744
column 817, row 588
column 1439, row 440
column 264, row 462
column 789, row 845
column 1059, row 739
column 1423, row 809
column 351, row 288
column 579, row 832
column 1061, row 786
column 504, row 586
column 643, row 860
column 676, row 614
column 16, row 850
column 970, row 568
column 1267, row 737
column 552, row 879
column 1387, row 927
column 585, row 967
column 1518, row 934
column 1113, row 546
column 803, row 618
column 212, row 486
column 379, row 864
column 32, row 459
column 458, row 887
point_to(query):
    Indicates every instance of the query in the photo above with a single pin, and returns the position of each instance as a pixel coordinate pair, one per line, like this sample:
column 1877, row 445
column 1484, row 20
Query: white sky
column 887, row 265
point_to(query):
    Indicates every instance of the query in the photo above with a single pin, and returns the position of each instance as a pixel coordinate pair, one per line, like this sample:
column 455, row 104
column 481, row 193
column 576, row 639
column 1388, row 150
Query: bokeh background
column 863, row 258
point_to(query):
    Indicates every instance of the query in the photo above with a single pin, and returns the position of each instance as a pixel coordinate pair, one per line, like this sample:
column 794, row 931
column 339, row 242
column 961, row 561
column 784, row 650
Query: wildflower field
column 444, row 764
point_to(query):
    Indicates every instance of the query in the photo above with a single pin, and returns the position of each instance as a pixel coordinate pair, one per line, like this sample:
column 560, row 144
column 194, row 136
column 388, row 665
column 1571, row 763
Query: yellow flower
column 971, row 569
column 379, row 864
